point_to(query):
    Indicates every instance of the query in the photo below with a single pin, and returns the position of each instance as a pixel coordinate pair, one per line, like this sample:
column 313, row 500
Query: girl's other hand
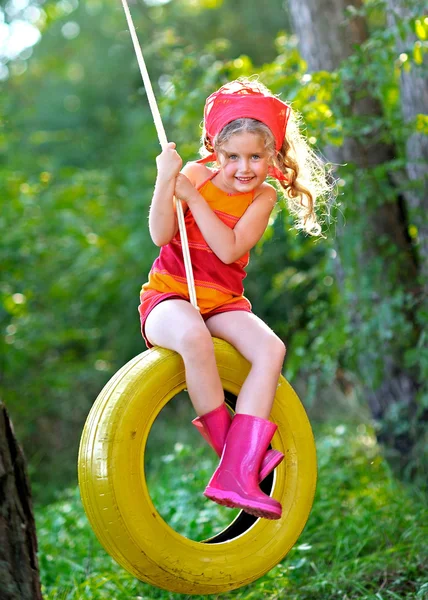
column 184, row 188
column 169, row 162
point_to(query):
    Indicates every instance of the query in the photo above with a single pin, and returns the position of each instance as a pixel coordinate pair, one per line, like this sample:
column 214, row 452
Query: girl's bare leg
column 177, row 325
column 262, row 348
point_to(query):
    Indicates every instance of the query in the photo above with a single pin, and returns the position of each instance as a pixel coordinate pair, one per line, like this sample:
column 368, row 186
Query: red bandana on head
column 234, row 101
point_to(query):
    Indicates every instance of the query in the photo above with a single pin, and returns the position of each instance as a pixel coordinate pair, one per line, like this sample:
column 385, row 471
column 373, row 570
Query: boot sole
column 232, row 500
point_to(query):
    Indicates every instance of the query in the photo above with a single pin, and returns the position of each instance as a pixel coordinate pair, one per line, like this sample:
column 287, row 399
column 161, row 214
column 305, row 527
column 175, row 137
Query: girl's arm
column 228, row 244
column 162, row 216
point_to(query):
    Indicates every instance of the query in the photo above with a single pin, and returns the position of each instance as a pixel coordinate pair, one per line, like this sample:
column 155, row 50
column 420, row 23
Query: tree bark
column 19, row 573
column 414, row 101
column 327, row 36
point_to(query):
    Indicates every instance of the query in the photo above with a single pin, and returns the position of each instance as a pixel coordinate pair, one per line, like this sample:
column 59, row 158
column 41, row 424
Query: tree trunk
column 414, row 101
column 327, row 36
column 19, row 574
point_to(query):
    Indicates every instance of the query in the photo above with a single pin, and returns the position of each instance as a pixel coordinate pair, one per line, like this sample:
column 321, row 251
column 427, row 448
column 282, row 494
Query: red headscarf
column 237, row 100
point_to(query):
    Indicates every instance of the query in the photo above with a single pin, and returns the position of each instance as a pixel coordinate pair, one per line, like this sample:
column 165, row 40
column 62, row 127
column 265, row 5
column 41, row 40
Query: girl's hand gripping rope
column 169, row 162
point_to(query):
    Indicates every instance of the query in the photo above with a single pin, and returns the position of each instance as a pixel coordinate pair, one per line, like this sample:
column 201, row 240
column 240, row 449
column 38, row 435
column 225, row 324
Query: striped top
column 216, row 283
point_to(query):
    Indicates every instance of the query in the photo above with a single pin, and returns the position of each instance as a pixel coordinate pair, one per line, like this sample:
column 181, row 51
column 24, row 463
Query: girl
column 250, row 134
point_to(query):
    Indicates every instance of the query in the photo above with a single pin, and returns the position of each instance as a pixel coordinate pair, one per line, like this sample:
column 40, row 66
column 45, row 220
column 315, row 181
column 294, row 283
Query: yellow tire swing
column 112, row 479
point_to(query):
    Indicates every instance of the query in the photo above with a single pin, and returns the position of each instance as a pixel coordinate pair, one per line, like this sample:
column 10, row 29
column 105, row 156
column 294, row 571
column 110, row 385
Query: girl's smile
column 244, row 163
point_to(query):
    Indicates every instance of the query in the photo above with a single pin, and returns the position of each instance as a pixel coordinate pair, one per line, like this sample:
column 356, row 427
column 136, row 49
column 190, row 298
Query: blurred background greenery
column 77, row 168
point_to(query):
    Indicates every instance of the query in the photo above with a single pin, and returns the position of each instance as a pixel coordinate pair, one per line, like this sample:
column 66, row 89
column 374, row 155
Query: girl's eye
column 256, row 156
column 233, row 156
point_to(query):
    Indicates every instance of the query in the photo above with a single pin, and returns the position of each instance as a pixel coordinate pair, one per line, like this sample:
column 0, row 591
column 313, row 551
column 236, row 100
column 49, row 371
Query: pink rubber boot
column 235, row 482
column 213, row 427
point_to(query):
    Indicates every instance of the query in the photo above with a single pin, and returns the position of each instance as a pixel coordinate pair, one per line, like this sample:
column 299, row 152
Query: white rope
column 163, row 142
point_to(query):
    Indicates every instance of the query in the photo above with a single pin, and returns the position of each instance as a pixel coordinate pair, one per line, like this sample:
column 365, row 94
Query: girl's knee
column 277, row 348
column 196, row 342
column 271, row 350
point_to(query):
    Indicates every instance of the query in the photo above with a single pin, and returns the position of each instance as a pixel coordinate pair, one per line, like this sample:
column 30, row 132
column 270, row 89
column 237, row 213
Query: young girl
column 250, row 134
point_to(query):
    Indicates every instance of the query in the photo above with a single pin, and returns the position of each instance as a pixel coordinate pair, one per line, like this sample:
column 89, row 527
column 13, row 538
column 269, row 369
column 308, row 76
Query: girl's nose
column 244, row 164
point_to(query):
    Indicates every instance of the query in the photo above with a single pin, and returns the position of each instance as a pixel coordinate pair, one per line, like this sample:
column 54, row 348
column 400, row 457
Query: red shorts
column 152, row 298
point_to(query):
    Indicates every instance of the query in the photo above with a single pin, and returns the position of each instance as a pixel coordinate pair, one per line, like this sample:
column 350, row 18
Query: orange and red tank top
column 216, row 283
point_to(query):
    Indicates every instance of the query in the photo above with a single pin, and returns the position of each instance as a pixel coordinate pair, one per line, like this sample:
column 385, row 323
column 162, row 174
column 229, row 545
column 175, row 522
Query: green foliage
column 64, row 275
column 382, row 285
column 365, row 537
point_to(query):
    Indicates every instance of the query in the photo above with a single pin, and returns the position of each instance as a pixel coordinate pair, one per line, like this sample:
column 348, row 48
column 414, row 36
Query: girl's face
column 244, row 163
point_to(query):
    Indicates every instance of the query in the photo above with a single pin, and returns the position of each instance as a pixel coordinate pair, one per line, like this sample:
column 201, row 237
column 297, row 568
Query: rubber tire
column 117, row 501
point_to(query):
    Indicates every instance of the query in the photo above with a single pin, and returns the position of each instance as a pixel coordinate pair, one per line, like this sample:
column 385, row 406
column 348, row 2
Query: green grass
column 366, row 537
